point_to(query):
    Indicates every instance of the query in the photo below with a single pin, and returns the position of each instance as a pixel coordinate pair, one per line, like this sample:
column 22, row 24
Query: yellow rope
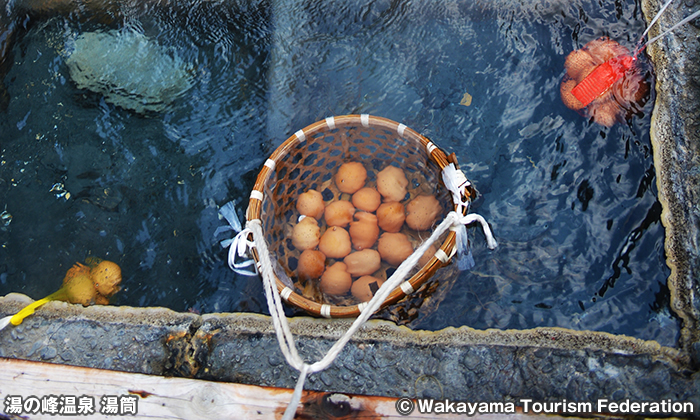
column 29, row 309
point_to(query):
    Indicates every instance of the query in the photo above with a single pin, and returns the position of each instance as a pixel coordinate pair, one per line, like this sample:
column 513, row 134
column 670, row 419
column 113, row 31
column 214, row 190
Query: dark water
column 572, row 204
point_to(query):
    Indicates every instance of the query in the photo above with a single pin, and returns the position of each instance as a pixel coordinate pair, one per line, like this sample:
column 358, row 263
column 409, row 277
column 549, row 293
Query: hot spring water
column 572, row 204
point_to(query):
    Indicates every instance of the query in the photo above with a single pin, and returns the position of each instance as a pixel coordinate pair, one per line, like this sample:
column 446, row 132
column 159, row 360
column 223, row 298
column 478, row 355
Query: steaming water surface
column 573, row 204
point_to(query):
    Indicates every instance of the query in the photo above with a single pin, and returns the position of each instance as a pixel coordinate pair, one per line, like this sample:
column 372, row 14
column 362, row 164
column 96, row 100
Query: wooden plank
column 159, row 397
column 179, row 398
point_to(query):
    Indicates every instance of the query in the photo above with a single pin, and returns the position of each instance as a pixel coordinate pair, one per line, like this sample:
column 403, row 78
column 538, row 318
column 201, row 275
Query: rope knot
column 473, row 217
column 457, row 183
column 238, row 257
column 464, row 258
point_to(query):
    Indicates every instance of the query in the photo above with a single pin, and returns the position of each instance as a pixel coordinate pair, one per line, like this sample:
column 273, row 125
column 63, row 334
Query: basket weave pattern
column 309, row 159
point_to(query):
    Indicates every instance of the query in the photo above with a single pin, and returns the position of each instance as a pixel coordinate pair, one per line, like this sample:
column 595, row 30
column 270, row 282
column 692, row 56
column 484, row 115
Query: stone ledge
column 675, row 138
column 382, row 359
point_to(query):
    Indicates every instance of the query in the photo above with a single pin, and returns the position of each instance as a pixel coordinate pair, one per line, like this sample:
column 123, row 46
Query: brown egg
column 567, row 97
column 390, row 216
column 422, row 211
column 311, row 204
column 367, row 199
column 362, row 263
column 335, row 242
column 306, row 234
column 80, row 289
column 579, row 64
column 429, row 253
column 311, row 264
column 391, row 183
column 394, row 248
column 350, row 177
column 365, row 287
column 605, row 112
column 336, row 280
column 339, row 213
column 106, row 277
column 365, row 231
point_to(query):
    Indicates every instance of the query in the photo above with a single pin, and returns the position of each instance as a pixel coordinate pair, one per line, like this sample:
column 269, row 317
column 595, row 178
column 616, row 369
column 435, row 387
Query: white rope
column 5, row 321
column 641, row 46
column 239, row 245
column 668, row 31
column 279, row 319
column 653, row 21
column 455, row 181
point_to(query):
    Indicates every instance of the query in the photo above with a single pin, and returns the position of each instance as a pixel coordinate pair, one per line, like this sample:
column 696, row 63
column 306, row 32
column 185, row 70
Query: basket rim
column 442, row 256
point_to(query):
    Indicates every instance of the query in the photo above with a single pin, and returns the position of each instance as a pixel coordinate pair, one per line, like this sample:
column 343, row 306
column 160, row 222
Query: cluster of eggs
column 360, row 232
column 94, row 283
column 623, row 97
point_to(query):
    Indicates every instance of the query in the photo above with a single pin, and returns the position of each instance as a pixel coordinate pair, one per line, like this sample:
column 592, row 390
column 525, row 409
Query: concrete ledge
column 382, row 359
column 105, row 337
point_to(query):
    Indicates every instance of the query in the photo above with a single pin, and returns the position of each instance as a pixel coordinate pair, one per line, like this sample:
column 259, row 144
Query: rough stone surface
column 116, row 338
column 382, row 358
column 675, row 137
column 463, row 364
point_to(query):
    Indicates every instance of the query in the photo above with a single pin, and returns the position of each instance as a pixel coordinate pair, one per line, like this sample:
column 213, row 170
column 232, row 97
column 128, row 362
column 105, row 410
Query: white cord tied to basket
column 454, row 221
column 457, row 183
column 239, row 245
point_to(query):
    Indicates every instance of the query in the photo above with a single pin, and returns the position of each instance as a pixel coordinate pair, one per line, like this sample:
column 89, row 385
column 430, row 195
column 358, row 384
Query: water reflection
column 573, row 204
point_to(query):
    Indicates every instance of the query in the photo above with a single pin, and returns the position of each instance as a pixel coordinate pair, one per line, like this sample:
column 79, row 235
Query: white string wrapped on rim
column 454, row 221
column 457, row 183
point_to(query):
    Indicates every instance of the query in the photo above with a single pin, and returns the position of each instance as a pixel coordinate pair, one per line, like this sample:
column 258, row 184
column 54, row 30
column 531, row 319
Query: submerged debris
column 5, row 218
column 60, row 190
column 126, row 67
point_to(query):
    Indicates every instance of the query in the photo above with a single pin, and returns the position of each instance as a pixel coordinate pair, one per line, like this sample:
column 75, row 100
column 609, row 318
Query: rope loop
column 239, row 246
column 239, row 249
column 464, row 258
column 468, row 219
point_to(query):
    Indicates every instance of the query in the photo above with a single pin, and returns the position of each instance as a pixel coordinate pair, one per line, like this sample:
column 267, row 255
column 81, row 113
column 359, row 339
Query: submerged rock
column 126, row 67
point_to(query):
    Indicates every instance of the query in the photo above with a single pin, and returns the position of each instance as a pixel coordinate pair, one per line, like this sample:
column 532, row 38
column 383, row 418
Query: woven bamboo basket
column 308, row 160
